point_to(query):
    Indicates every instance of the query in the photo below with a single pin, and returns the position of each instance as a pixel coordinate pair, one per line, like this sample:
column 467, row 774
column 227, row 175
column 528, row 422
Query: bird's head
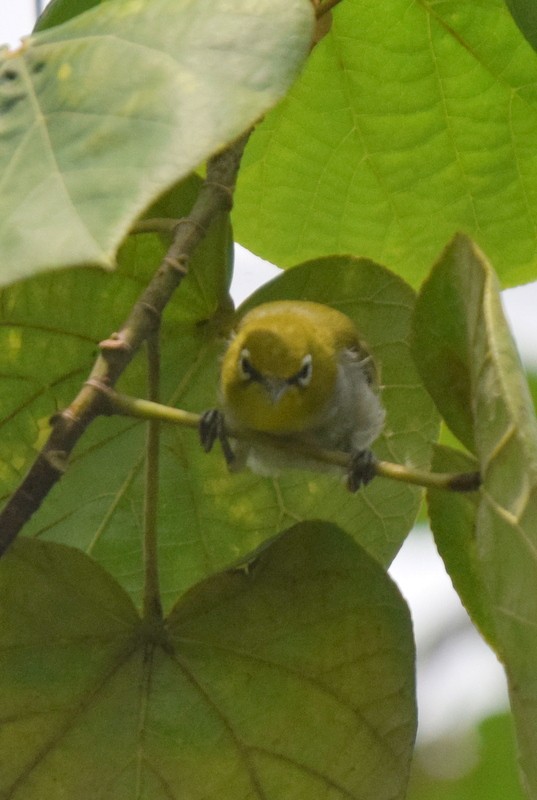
column 278, row 373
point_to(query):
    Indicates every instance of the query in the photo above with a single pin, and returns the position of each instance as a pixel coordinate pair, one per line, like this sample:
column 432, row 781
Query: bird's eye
column 245, row 366
column 246, row 370
column 303, row 376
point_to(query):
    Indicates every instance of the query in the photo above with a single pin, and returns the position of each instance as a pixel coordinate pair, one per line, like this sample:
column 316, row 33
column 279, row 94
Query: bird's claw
column 211, row 428
column 361, row 469
column 208, row 429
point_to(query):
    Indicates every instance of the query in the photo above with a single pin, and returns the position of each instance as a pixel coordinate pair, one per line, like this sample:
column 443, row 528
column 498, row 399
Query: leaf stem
column 149, row 410
column 451, row 481
column 165, row 225
column 152, row 606
column 145, row 409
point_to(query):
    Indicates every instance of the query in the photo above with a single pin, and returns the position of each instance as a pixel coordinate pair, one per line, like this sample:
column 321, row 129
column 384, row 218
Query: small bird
column 296, row 372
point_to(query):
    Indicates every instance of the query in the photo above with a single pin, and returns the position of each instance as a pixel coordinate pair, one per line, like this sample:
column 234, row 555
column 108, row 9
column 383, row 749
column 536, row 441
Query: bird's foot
column 361, row 469
column 211, row 428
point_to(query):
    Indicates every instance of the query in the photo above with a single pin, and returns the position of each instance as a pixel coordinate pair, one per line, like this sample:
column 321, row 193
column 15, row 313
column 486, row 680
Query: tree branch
column 215, row 196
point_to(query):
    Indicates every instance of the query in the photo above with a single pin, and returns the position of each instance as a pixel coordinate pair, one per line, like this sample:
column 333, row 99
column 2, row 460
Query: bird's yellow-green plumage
column 299, row 370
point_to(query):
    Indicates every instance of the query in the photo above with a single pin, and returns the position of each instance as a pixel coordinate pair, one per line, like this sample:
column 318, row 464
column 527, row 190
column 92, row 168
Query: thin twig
column 144, row 409
column 154, row 225
column 214, row 197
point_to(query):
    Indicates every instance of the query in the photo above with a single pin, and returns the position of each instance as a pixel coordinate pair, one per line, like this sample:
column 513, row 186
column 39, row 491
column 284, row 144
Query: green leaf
column 59, row 11
column 532, row 382
column 87, row 145
column 409, row 123
column 208, row 518
column 50, row 328
column 293, row 678
column 525, row 15
column 66, row 632
column 503, row 522
column 440, row 340
column 453, row 520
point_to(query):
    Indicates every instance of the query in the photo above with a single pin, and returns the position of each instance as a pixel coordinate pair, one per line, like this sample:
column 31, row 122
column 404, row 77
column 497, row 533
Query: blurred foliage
column 477, row 764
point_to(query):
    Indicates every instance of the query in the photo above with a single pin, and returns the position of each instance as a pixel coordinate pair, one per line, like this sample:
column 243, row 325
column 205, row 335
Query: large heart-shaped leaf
column 495, row 567
column 292, row 678
column 102, row 114
column 525, row 15
column 410, row 122
column 207, row 517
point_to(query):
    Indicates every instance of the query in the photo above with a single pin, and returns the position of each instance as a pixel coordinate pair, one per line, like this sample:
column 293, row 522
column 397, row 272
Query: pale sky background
column 461, row 680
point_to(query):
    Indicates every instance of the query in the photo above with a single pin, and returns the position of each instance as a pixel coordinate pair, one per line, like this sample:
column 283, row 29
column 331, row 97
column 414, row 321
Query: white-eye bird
column 296, row 371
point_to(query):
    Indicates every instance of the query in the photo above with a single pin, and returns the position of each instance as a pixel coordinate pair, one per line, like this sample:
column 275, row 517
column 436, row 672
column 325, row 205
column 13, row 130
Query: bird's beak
column 275, row 389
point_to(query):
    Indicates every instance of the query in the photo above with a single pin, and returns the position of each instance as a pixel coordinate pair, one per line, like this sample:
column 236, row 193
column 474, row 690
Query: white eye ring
column 246, row 371
column 245, row 365
column 303, row 376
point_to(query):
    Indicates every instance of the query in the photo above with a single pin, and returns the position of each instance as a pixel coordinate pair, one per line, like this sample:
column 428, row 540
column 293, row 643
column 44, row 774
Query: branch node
column 151, row 310
column 177, row 263
column 227, row 191
column 66, row 415
column 57, row 459
column 115, row 342
column 100, row 385
column 193, row 224
column 105, row 390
